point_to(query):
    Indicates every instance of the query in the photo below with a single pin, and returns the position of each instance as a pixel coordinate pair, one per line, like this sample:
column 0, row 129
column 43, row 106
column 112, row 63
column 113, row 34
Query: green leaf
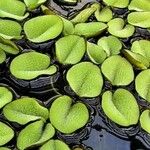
column 142, row 84
column 139, row 5
column 118, row 28
column 6, row 133
column 111, row 45
column 121, row 107
column 141, row 47
column 136, row 59
column 70, row 49
column 140, row 19
column 90, row 29
column 5, row 96
column 85, row 79
column 35, row 134
column 30, row 65
column 66, row 116
column 25, row 110
column 104, row 15
column 2, row 56
column 32, row 4
column 116, row 3
column 43, row 28
column 83, row 15
column 13, row 9
column 96, row 54
column 10, row 29
column 55, row 145
column 145, row 120
column 68, row 27
column 8, row 46
column 47, row 11
column 118, row 70
column 4, row 148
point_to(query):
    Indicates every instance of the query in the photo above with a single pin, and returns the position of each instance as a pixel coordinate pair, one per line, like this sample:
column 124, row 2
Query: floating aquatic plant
column 30, row 65
column 70, row 49
column 25, row 110
column 90, row 29
column 118, row 70
column 121, row 107
column 145, row 120
column 6, row 134
column 118, row 28
column 142, row 84
column 5, row 96
column 10, row 29
column 13, row 9
column 55, row 145
column 111, row 45
column 43, row 28
column 85, row 79
column 140, row 19
column 35, row 134
column 66, row 116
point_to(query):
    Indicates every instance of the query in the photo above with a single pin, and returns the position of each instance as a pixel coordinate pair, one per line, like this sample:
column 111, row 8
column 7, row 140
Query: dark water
column 100, row 133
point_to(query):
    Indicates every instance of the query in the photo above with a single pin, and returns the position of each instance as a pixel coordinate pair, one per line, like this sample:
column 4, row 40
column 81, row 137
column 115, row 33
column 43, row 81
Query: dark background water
column 100, row 133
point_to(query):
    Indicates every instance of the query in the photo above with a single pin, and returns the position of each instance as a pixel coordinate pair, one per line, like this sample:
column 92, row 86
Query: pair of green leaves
column 121, row 107
column 80, row 79
column 118, row 70
column 55, row 145
column 25, row 110
column 7, row 46
column 66, row 116
column 13, row 9
column 6, row 133
column 10, row 29
column 47, row 27
column 30, row 65
column 139, row 55
column 35, row 134
column 140, row 18
column 118, row 28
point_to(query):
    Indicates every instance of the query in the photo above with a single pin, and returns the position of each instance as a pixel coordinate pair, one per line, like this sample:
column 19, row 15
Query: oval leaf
column 111, row 45
column 142, row 47
column 8, row 46
column 118, row 28
column 140, row 19
column 6, row 133
column 30, row 65
column 32, row 4
column 5, row 96
column 66, row 116
column 145, row 120
column 10, row 29
column 90, row 29
column 70, row 49
column 136, row 59
column 121, row 107
column 16, row 11
column 139, row 5
column 96, row 54
column 142, row 84
column 118, row 70
column 116, row 3
column 25, row 110
column 85, row 79
column 55, row 145
column 43, row 28
column 35, row 134
column 4, row 148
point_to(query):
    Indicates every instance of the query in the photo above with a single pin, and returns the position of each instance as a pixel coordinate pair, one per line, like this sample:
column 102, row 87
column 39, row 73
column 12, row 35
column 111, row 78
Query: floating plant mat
column 75, row 75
